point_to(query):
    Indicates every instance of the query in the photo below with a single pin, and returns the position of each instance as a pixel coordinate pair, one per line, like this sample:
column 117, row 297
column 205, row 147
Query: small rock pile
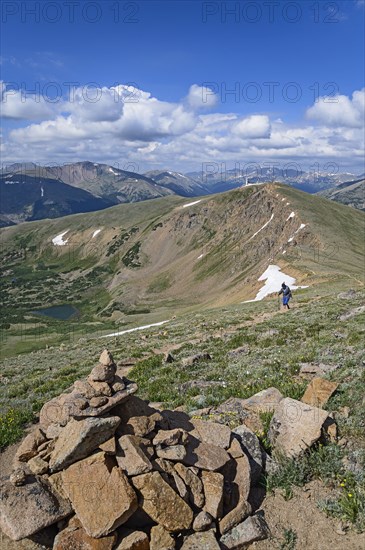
column 112, row 472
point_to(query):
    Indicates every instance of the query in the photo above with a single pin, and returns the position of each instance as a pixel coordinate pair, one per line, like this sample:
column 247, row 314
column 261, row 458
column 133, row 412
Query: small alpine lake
column 63, row 312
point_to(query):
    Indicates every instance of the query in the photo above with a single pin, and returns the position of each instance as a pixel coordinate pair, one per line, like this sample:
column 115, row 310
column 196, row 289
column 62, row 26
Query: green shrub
column 12, row 424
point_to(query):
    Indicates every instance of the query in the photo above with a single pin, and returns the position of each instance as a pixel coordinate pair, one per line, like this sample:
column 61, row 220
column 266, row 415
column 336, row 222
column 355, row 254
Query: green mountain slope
column 351, row 193
column 141, row 263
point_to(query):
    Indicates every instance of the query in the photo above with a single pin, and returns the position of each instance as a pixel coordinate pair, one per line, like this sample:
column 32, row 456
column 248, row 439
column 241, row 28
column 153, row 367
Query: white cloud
column 201, row 97
column 130, row 125
column 17, row 105
column 255, row 126
column 340, row 110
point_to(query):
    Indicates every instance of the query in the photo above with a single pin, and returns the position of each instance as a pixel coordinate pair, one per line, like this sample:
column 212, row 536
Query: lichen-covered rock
column 204, row 456
column 161, row 502
column 252, row 529
column 198, row 541
column 252, row 449
column 28, row 447
column 319, row 391
column 100, row 494
column 103, row 373
column 133, row 540
column 212, row 433
column 37, row 465
column 106, row 358
column 161, row 539
column 79, row 438
column 130, row 457
column 295, row 426
column 75, row 537
column 29, row 508
column 213, row 483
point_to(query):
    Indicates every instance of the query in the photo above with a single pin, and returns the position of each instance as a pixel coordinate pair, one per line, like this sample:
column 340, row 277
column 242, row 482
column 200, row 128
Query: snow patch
column 96, row 232
column 42, row 192
column 191, row 203
column 134, row 329
column 284, row 252
column 261, row 228
column 273, row 277
column 201, row 255
column 282, row 199
column 113, row 171
column 287, row 204
column 291, row 215
column 58, row 240
column 302, row 225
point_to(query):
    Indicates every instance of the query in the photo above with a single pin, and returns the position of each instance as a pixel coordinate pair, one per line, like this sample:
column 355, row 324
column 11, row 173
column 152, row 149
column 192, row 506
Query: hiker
column 286, row 292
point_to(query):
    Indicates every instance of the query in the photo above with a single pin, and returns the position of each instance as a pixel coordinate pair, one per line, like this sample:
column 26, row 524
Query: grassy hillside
column 351, row 193
column 145, row 262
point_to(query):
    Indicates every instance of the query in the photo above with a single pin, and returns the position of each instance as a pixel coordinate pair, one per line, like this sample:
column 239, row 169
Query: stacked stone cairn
column 109, row 471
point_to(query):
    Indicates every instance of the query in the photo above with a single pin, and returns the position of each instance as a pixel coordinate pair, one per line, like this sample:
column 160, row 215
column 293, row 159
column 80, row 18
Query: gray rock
column 201, row 541
column 205, row 456
column 79, row 438
column 192, row 359
column 203, row 521
column 176, row 453
column 295, row 426
column 252, row 529
column 212, row 433
column 251, row 446
column 352, row 313
column 27, row 509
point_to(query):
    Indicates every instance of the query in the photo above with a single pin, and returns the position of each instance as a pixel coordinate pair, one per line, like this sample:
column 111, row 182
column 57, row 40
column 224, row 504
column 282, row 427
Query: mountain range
column 29, row 192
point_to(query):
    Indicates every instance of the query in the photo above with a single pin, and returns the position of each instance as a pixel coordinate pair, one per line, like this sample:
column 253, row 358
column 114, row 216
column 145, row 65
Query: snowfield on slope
column 58, row 240
column 133, row 329
column 96, row 232
column 191, row 203
column 261, row 228
column 274, row 277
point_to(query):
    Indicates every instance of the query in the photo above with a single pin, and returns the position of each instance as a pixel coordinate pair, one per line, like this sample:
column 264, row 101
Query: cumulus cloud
column 17, row 105
column 201, row 97
column 255, row 126
column 124, row 122
column 340, row 110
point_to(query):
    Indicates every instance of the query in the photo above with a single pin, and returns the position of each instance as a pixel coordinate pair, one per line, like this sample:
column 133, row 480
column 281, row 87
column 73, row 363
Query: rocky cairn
column 109, row 471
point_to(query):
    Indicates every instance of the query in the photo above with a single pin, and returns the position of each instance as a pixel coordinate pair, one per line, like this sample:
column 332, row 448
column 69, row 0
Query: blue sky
column 294, row 66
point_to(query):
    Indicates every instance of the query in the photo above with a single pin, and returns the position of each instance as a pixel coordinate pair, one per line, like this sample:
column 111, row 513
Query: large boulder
column 161, row 502
column 79, row 438
column 100, row 494
column 29, row 508
column 295, row 426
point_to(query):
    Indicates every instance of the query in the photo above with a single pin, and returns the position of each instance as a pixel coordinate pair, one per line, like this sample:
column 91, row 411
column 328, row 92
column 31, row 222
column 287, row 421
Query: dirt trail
column 312, row 528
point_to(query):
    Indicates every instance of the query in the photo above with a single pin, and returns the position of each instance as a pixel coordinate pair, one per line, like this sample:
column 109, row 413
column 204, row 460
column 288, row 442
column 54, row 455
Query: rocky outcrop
column 113, row 472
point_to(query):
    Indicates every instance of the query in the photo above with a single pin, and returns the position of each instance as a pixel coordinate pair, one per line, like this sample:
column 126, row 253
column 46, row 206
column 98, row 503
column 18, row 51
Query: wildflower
column 350, row 495
column 342, row 484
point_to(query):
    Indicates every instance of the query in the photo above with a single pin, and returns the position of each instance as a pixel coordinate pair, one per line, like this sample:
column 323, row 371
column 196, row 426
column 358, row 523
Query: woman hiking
column 286, row 292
